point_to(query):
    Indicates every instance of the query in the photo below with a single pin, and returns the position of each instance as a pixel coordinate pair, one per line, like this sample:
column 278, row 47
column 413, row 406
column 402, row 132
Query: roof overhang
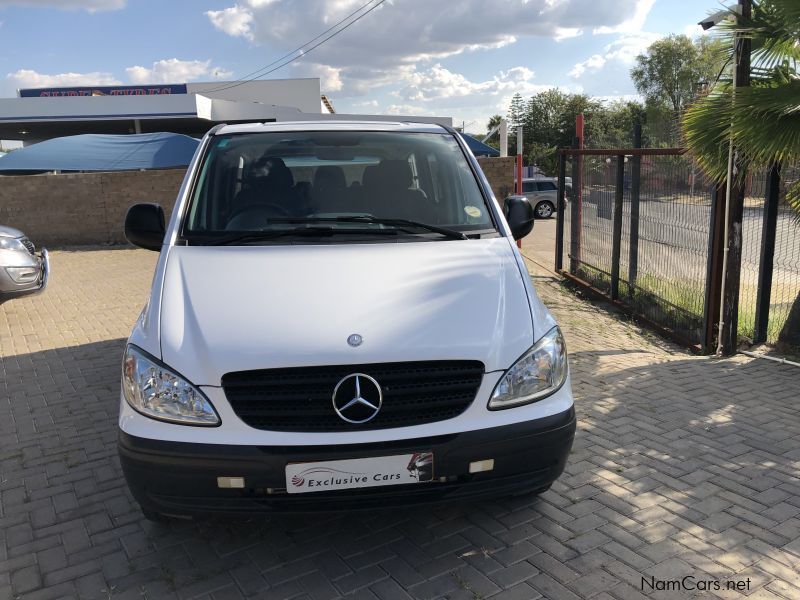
column 36, row 119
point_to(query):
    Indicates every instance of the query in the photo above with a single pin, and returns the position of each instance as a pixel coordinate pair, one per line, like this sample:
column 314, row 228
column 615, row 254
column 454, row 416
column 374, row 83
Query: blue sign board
column 105, row 90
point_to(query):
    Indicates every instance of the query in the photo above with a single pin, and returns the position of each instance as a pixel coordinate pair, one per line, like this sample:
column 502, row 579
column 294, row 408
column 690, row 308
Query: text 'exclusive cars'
column 339, row 318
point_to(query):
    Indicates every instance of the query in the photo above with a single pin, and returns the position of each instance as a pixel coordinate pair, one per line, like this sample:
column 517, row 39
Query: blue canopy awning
column 91, row 152
column 479, row 148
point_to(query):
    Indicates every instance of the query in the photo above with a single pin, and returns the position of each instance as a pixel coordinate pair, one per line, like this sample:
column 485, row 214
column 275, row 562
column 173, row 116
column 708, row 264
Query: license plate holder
column 355, row 473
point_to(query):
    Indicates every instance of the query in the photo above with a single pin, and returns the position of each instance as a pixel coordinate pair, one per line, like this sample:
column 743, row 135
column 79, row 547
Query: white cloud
column 441, row 92
column 565, row 33
column 162, row 71
column 173, row 70
column 437, row 82
column 693, row 30
column 27, row 78
column 89, row 5
column 632, row 25
column 594, row 62
column 609, row 98
column 400, row 34
column 624, row 49
column 407, row 109
column 330, row 79
column 234, row 21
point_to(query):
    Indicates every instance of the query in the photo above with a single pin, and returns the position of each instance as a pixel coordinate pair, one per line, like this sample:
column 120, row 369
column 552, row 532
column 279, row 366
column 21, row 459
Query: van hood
column 229, row 309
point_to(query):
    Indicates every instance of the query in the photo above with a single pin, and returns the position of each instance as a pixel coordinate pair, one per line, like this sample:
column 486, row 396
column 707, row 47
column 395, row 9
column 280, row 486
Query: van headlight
column 541, row 371
column 159, row 393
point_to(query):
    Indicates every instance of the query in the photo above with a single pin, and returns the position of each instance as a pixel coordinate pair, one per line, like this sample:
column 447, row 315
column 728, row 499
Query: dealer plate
column 359, row 473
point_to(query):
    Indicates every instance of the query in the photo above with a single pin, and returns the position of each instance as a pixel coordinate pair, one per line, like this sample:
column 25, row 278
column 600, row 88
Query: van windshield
column 331, row 184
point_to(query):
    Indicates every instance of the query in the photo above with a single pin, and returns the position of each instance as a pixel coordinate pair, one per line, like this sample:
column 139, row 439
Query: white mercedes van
column 339, row 318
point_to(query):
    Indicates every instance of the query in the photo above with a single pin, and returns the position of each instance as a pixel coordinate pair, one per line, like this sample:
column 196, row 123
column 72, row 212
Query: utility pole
column 734, row 209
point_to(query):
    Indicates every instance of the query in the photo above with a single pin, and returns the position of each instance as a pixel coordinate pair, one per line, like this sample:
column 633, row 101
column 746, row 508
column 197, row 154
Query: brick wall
column 82, row 208
column 89, row 208
column 500, row 173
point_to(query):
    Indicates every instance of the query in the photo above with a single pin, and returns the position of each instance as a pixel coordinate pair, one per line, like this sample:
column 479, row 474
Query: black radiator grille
column 300, row 398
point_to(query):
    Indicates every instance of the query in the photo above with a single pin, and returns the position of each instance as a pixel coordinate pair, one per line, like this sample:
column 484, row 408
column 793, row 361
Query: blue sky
column 462, row 59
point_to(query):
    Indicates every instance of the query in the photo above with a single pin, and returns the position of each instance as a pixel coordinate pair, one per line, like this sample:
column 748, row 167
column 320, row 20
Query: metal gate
column 635, row 225
column 645, row 228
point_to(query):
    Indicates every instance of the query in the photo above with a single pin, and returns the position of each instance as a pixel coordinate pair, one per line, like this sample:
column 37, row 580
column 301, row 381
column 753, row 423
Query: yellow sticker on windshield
column 472, row 211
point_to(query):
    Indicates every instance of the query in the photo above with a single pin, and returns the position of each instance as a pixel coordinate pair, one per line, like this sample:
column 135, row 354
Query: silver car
column 542, row 194
column 22, row 271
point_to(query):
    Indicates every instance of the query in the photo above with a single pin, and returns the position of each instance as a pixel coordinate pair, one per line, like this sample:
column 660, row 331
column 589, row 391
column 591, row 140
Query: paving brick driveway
column 682, row 466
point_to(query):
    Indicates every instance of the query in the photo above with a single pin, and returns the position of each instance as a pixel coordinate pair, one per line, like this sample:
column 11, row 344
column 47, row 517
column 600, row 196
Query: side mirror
column 144, row 226
column 519, row 214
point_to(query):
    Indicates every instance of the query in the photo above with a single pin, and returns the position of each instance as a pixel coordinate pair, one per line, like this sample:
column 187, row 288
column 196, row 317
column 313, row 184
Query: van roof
column 337, row 125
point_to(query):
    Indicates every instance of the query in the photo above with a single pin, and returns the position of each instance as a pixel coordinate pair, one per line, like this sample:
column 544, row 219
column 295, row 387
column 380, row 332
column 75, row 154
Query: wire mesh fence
column 640, row 226
column 662, row 249
column 784, row 287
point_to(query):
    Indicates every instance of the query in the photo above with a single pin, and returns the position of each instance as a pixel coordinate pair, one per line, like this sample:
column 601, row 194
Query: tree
column 670, row 75
column 673, row 68
column 610, row 125
column 548, row 120
column 762, row 121
column 494, row 121
column 494, row 139
column 543, row 121
column 543, row 156
column 516, row 111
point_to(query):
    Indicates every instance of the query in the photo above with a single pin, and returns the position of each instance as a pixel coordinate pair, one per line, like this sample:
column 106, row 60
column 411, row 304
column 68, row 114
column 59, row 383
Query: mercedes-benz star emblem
column 357, row 398
column 355, row 340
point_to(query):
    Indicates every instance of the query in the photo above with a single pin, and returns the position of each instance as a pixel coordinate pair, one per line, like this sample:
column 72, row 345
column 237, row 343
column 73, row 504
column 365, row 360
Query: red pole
column 519, row 168
column 579, row 129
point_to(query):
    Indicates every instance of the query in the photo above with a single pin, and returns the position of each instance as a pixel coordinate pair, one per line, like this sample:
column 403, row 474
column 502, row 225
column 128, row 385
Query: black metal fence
column 643, row 228
column 636, row 227
column 770, row 280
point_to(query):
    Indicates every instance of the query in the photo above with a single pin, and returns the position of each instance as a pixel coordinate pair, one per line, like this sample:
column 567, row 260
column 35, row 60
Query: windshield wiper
column 450, row 233
column 260, row 236
column 404, row 224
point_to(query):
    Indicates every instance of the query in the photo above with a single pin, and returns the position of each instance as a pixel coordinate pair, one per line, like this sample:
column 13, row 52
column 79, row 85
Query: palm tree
column 494, row 121
column 763, row 120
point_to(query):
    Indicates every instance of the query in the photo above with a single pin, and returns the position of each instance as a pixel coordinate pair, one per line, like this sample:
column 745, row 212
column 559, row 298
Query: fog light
column 479, row 466
column 230, row 482
column 23, row 274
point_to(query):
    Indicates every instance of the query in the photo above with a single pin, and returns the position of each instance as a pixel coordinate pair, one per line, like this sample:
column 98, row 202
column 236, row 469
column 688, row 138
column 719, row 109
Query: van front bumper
column 178, row 478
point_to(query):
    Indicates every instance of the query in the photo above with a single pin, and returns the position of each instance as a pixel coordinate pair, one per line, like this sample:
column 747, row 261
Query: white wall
column 299, row 93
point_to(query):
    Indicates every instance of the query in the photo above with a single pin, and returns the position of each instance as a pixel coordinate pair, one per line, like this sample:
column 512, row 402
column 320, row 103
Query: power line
column 244, row 78
column 265, row 70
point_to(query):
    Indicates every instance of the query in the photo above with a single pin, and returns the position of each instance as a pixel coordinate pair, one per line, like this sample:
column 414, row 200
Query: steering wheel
column 245, row 215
